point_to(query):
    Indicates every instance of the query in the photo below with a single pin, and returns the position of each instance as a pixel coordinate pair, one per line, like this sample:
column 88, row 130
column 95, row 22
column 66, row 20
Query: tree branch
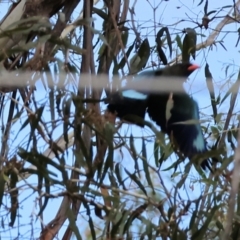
column 215, row 33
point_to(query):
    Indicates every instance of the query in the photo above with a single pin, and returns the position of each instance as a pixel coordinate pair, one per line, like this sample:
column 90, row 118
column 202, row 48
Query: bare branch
column 215, row 33
column 233, row 192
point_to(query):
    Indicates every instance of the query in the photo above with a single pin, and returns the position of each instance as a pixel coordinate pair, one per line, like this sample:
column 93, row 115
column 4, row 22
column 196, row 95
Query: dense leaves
column 68, row 167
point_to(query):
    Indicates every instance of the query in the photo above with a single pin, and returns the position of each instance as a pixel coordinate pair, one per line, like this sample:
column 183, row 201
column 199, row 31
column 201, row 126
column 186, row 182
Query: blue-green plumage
column 127, row 104
column 180, row 122
column 176, row 113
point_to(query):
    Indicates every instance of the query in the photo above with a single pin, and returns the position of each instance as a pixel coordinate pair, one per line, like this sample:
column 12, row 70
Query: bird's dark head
column 180, row 70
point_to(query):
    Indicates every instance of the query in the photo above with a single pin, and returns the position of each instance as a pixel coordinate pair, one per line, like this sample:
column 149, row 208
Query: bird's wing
column 183, row 124
column 127, row 105
column 133, row 94
column 156, row 109
column 129, row 101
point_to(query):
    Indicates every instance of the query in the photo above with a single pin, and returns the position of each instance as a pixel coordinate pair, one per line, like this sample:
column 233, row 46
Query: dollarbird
column 176, row 113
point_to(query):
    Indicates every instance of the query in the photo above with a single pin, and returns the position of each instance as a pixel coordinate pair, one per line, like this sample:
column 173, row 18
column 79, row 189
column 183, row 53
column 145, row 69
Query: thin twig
column 215, row 33
column 233, row 192
column 119, row 36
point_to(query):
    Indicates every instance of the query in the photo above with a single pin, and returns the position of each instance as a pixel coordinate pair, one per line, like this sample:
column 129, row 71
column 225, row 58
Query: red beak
column 193, row 67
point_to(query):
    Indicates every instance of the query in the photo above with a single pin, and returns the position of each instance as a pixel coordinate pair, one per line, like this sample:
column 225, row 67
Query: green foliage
column 114, row 180
column 189, row 44
column 139, row 60
column 159, row 44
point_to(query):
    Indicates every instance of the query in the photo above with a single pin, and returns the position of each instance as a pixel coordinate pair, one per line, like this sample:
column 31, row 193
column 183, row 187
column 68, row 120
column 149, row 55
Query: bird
column 128, row 104
column 176, row 113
